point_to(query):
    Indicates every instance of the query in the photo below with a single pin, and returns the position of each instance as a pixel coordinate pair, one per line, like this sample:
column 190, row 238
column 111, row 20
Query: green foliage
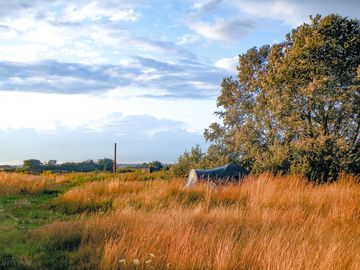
column 50, row 165
column 125, row 170
column 187, row 161
column 157, row 164
column 32, row 165
column 295, row 106
column 35, row 166
column 105, row 164
column 84, row 166
column 8, row 261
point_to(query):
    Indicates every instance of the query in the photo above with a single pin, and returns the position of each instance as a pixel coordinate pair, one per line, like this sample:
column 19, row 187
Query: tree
column 50, row 164
column 32, row 165
column 157, row 164
column 105, row 164
column 84, row 166
column 295, row 106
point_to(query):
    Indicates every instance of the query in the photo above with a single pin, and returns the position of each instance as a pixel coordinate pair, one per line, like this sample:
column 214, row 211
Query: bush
column 187, row 161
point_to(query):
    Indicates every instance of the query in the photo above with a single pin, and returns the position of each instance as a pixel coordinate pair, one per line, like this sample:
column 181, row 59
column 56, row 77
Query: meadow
column 148, row 221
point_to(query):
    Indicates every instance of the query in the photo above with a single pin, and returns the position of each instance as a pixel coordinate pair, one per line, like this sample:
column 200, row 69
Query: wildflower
column 136, row 261
column 148, row 261
column 122, row 261
column 152, row 255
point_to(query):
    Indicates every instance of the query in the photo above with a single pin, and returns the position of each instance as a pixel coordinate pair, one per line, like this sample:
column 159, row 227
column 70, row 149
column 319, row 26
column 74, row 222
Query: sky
column 77, row 76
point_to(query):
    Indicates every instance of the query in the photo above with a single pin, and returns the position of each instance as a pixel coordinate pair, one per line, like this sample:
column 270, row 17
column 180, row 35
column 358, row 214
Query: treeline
column 105, row 165
column 36, row 166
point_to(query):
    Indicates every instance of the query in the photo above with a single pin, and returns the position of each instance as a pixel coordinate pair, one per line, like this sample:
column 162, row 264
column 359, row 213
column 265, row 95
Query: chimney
column 114, row 164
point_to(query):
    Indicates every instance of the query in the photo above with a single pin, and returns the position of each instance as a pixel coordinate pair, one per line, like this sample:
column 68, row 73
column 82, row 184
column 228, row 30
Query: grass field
column 148, row 221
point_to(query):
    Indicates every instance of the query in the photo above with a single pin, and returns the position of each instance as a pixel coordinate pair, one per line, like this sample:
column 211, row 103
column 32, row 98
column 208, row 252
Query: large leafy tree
column 295, row 106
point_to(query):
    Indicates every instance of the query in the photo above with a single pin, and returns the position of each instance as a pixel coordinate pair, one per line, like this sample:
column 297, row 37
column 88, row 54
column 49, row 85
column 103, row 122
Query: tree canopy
column 105, row 164
column 32, row 165
column 295, row 105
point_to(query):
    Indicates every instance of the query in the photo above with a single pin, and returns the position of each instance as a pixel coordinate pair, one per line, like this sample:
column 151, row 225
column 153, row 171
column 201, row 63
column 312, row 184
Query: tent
column 229, row 172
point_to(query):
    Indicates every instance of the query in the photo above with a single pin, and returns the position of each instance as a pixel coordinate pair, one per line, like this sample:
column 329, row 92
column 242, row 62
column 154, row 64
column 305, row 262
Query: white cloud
column 7, row 32
column 96, row 11
column 187, row 39
column 22, row 23
column 44, row 111
column 287, row 11
column 22, row 53
column 204, row 85
column 202, row 6
column 129, row 63
column 47, row 34
column 294, row 12
column 159, row 47
column 228, row 64
column 77, row 33
column 52, row 81
column 228, row 32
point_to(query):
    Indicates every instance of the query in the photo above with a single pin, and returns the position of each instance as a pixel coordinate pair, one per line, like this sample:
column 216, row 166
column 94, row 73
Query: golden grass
column 266, row 222
column 11, row 183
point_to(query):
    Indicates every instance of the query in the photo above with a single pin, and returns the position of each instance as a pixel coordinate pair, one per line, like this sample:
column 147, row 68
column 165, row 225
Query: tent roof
column 226, row 172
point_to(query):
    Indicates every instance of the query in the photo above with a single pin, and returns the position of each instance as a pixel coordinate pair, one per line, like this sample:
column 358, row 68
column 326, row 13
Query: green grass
column 19, row 215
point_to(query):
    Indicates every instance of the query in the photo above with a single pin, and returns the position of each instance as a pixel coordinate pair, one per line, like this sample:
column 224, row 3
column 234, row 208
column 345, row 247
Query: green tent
column 229, row 172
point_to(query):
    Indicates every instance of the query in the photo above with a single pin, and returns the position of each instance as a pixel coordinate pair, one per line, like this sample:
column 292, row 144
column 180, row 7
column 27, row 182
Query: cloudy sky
column 77, row 76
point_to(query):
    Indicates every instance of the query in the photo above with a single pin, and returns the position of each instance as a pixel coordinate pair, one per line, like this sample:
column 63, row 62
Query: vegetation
column 193, row 159
column 105, row 164
column 132, row 221
column 294, row 106
column 35, row 166
column 32, row 165
column 156, row 164
column 25, row 204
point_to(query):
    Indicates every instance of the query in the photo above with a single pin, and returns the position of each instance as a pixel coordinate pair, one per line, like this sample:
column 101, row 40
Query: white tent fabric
column 192, row 178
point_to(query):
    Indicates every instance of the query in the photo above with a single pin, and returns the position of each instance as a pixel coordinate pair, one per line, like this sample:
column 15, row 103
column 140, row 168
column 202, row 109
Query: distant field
column 148, row 221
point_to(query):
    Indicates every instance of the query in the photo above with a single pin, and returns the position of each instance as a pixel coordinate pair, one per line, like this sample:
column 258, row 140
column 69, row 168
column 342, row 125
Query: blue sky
column 77, row 76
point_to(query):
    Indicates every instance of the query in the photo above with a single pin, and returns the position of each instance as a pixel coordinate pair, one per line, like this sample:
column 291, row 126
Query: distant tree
column 295, row 105
column 105, row 164
column 32, row 165
column 84, row 166
column 156, row 164
column 50, row 165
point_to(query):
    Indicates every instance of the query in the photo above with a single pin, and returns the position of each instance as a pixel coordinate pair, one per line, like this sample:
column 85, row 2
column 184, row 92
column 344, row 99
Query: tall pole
column 114, row 164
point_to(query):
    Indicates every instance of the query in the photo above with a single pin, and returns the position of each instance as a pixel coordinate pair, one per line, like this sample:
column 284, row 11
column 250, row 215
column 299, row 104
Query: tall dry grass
column 12, row 183
column 266, row 222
